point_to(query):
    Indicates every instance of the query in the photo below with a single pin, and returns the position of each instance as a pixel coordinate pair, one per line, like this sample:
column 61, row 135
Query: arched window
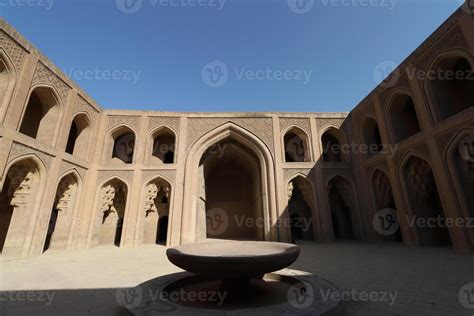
column 123, row 145
column 41, row 115
column 452, row 88
column 296, row 146
column 164, row 146
column 331, row 140
column 403, row 117
column 78, row 139
column 371, row 136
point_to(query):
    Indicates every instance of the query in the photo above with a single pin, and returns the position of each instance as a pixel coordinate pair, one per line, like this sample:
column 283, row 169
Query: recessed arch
column 402, row 117
column 343, row 207
column 332, row 142
column 423, row 198
column 79, row 136
column 296, row 145
column 157, row 205
column 60, row 228
column 194, row 200
column 163, row 149
column 371, row 135
column 301, row 208
column 459, row 157
column 449, row 86
column 41, row 114
column 112, row 201
column 22, row 188
column 120, row 145
column 383, row 198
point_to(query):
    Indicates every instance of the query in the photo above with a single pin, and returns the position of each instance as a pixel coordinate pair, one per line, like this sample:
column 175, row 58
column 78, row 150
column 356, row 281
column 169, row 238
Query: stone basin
column 233, row 259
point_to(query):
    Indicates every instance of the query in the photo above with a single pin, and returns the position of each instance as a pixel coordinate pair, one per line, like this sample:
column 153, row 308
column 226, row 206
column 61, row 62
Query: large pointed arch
column 193, row 217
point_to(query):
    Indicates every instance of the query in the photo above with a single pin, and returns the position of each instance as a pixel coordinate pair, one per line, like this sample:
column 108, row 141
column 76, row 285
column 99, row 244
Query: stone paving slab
column 426, row 281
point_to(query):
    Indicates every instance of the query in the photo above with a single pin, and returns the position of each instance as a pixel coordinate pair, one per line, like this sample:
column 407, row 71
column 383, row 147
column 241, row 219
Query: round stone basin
column 233, row 259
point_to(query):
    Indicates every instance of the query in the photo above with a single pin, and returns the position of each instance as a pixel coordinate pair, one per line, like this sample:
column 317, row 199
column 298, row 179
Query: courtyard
column 422, row 281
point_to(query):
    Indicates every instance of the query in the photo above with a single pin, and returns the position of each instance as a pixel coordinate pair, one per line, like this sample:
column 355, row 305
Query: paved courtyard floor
column 418, row 281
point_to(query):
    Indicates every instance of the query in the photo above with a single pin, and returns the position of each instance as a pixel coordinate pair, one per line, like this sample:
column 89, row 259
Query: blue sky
column 263, row 55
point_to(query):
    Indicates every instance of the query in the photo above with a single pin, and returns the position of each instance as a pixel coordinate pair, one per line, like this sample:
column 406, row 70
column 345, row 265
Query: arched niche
column 296, row 145
column 333, row 141
column 164, row 146
column 343, row 207
column 450, row 86
column 403, row 117
column 121, row 146
column 79, row 136
column 371, row 136
column 41, row 115
column 156, row 209
column 300, row 208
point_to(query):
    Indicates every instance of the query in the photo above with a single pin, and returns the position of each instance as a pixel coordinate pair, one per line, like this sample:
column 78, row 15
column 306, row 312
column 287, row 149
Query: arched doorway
column 300, row 209
column 425, row 202
column 342, row 204
column 17, row 204
column 62, row 213
column 157, row 207
column 232, row 183
column 112, row 201
column 41, row 115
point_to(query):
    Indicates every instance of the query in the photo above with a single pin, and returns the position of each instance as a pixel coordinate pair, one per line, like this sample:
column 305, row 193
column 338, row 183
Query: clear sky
column 227, row 55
